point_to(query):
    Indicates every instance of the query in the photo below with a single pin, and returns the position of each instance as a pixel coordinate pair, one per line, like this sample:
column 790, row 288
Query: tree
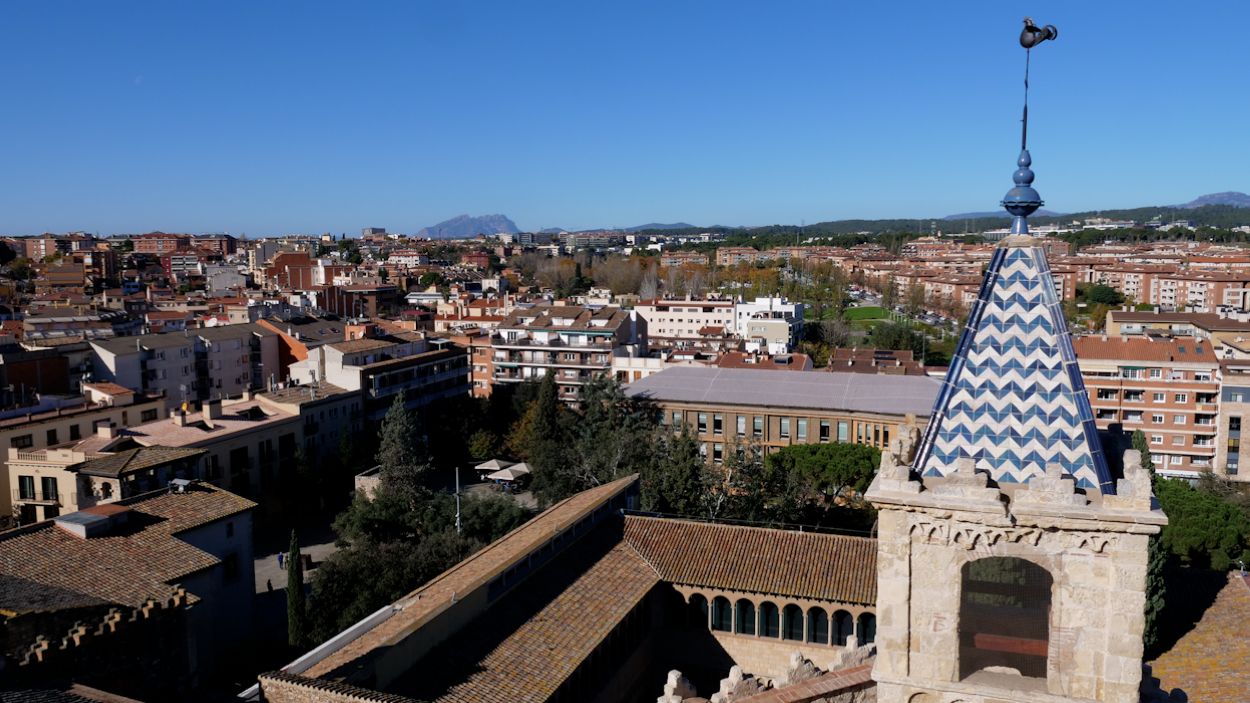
column 403, row 454
column 612, row 436
column 483, row 444
column 1142, row 445
column 674, row 482
column 1105, row 295
column 296, row 612
column 1203, row 530
column 812, row 483
column 543, row 438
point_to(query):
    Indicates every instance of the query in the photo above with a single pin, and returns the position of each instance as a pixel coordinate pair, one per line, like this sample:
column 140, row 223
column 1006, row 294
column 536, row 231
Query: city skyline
column 263, row 120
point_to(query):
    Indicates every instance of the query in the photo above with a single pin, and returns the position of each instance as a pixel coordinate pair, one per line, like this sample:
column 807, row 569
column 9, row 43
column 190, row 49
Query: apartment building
column 102, row 405
column 1168, row 388
column 574, row 343
column 380, row 366
column 1221, row 331
column 685, row 319
column 160, row 243
column 1202, row 291
column 726, row 408
column 1230, row 454
column 773, row 321
column 670, row 259
column 212, row 362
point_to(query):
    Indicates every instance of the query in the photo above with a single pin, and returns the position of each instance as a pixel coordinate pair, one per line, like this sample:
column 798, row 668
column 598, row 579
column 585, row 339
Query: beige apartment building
column 729, row 408
column 102, row 405
column 686, row 319
column 1168, row 388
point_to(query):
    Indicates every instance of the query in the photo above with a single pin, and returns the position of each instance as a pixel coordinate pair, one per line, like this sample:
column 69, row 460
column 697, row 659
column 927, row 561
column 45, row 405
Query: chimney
column 212, row 409
column 179, row 416
column 106, row 430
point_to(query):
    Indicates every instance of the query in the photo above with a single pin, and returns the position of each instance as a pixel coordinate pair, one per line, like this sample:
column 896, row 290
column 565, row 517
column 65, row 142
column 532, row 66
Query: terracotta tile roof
column 798, row 564
column 1141, row 348
column 109, row 388
column 131, row 460
column 823, row 687
column 44, row 567
column 541, row 633
column 1209, row 663
column 1207, row 321
column 432, row 599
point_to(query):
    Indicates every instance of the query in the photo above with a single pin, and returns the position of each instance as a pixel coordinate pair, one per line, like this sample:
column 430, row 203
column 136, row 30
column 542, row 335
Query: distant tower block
column 1011, row 562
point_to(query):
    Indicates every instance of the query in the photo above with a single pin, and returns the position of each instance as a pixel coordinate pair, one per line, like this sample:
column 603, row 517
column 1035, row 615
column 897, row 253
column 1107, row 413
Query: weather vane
column 1022, row 200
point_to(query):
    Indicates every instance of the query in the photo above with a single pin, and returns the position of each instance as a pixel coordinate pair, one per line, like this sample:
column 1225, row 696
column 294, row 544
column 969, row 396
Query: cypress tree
column 296, row 612
column 1157, row 559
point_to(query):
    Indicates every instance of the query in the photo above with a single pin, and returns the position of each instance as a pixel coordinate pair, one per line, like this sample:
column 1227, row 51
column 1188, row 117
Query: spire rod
column 1022, row 200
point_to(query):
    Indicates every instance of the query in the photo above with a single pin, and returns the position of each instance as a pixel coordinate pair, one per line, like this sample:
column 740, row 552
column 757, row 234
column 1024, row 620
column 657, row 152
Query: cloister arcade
column 780, row 618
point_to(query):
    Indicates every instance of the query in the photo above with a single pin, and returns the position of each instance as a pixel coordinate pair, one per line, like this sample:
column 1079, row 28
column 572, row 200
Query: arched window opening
column 792, row 623
column 697, row 611
column 722, row 614
column 744, row 617
column 817, row 625
column 843, row 627
column 1004, row 616
column 866, row 633
column 770, row 625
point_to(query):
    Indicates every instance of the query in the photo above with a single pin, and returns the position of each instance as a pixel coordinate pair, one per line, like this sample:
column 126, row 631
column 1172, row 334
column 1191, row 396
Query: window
column 770, row 620
column 844, row 431
column 824, row 431
column 22, row 442
column 1156, row 439
column 802, row 429
column 1234, row 424
column 26, row 487
column 867, row 630
column 722, row 614
column 702, row 426
column 718, row 453
column 1181, row 397
column 744, row 617
column 1156, row 373
column 1156, row 419
column 1178, row 441
column 697, row 611
column 1158, row 397
column 47, row 486
column 817, row 626
column 785, row 428
column 676, row 418
column 757, row 426
column 1004, row 616
column 741, row 425
column 148, row 415
column 75, row 432
column 1178, row 419
column 843, row 627
column 718, row 424
column 792, row 623
column 51, row 437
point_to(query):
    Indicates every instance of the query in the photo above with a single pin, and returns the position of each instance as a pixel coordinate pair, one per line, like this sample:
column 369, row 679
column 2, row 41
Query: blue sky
column 274, row 117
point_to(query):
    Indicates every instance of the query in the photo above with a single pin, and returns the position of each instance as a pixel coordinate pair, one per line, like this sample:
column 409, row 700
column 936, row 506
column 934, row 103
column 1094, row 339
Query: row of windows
column 1136, row 396
column 1156, row 374
column 788, row 428
column 815, row 626
column 52, row 437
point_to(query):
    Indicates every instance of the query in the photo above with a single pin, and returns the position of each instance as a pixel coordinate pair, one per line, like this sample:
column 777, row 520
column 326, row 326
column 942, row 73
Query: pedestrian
column 269, row 585
column 280, row 555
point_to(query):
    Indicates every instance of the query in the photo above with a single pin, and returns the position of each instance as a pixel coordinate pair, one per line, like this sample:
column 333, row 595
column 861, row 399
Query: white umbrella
column 508, row 474
column 493, row 465
column 521, row 468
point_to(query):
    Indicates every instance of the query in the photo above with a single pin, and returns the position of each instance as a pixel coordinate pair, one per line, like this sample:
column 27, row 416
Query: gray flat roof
column 820, row 390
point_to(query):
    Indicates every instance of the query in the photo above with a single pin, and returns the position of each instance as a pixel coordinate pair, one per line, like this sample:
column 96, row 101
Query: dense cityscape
column 990, row 457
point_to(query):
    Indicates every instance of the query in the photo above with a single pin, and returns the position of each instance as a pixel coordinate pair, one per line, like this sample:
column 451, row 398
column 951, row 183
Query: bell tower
column 1011, row 562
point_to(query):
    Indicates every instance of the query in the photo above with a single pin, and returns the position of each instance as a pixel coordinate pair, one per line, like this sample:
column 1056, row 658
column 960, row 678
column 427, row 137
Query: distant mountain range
column 657, row 225
column 466, row 226
column 1230, row 197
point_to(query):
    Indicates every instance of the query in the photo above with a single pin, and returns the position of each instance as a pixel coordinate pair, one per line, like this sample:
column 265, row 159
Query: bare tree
column 649, row 286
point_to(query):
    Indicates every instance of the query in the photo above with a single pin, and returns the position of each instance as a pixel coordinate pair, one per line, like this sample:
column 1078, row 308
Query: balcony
column 36, row 499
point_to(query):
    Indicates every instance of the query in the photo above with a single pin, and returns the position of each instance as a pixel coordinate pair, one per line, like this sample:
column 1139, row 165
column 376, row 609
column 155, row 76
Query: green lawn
column 865, row 313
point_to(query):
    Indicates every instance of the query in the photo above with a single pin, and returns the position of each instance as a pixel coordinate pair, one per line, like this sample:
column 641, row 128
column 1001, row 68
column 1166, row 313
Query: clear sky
column 270, row 116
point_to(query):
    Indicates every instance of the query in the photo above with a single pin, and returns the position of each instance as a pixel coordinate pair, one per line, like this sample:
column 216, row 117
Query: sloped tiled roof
column 140, row 561
column 740, row 558
column 136, row 459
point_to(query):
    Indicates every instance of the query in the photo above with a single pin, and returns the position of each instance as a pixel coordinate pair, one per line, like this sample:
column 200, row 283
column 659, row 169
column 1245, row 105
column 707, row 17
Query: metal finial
column 1022, row 200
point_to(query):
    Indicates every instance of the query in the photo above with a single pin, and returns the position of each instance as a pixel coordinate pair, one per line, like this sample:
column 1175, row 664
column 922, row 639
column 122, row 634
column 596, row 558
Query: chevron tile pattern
column 1013, row 399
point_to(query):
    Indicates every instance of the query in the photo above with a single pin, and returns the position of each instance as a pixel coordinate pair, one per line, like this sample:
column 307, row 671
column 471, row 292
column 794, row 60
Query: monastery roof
column 762, row 560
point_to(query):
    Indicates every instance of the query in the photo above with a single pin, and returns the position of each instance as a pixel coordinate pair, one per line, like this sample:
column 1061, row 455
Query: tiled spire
column 1013, row 399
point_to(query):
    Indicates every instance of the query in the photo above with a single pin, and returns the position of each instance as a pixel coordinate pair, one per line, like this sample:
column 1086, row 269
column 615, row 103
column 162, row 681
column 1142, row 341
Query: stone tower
column 1011, row 562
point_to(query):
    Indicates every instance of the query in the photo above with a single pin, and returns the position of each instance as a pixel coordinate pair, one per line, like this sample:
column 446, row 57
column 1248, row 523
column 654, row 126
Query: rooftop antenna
column 1022, row 200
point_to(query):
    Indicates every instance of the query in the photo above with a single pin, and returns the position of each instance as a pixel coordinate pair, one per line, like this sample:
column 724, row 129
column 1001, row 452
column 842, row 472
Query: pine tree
column 1141, row 445
column 547, row 449
column 1157, row 559
column 296, row 613
column 402, row 453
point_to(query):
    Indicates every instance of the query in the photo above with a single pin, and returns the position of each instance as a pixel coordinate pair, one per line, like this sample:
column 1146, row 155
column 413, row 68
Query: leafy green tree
column 1203, row 530
column 483, row 444
column 612, row 435
column 1141, row 444
column 1104, row 295
column 827, row 472
column 674, row 483
column 296, row 611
